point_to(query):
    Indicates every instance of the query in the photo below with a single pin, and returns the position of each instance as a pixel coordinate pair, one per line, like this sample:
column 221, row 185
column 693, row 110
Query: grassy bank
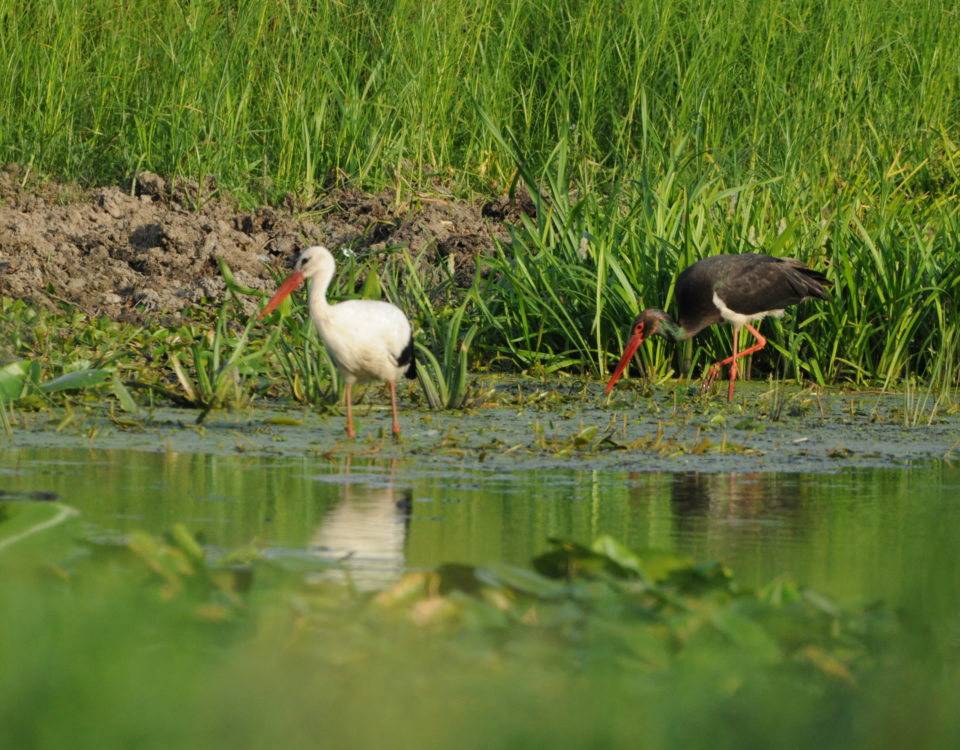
column 657, row 133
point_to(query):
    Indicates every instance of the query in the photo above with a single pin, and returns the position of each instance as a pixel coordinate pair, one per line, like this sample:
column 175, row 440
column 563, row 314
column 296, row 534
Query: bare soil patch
column 148, row 250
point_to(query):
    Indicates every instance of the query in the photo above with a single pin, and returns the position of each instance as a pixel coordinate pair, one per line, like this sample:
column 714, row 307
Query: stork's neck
column 317, row 297
column 662, row 324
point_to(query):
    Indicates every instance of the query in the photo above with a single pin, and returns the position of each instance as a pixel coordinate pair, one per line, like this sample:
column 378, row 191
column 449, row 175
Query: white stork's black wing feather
column 407, row 359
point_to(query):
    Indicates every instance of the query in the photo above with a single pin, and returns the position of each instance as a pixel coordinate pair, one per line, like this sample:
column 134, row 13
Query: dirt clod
column 151, row 246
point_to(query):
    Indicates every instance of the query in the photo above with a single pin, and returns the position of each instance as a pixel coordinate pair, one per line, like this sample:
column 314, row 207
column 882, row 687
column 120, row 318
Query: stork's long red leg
column 348, row 397
column 732, row 360
column 733, row 365
column 393, row 406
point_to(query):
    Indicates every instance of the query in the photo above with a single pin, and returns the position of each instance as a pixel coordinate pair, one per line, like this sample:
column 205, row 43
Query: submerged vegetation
column 195, row 650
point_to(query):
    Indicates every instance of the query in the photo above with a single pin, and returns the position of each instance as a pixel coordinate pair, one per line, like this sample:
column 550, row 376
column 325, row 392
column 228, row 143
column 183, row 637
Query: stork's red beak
column 635, row 340
column 292, row 282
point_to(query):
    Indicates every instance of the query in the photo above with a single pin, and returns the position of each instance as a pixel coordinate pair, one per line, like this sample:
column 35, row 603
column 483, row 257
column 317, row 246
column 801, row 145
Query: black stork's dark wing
column 747, row 284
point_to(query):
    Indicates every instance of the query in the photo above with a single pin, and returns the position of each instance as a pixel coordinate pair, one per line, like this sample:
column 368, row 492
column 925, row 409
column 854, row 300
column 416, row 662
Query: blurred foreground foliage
column 160, row 641
column 602, row 603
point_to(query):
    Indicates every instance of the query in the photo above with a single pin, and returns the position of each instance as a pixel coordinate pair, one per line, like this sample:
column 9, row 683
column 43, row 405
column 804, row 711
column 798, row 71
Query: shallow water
column 856, row 534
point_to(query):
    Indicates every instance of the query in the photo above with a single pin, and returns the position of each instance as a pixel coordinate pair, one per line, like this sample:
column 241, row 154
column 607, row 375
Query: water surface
column 856, row 534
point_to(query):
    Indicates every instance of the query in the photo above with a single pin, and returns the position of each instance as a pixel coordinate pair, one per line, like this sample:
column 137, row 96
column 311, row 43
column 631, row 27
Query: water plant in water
column 311, row 375
column 253, row 637
column 22, row 379
column 443, row 350
column 444, row 379
column 642, row 609
column 219, row 360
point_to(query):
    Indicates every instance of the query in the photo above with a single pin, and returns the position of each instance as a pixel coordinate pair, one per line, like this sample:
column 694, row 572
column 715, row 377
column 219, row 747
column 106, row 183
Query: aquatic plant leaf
column 567, row 560
column 620, row 554
column 124, row 397
column 457, row 577
column 408, row 589
column 185, row 541
column 12, row 379
column 745, row 633
column 77, row 379
column 183, row 379
column 586, row 435
column 660, row 564
column 230, row 280
column 430, row 376
column 821, row 603
column 780, row 592
column 168, row 562
column 371, row 286
column 650, row 645
column 20, row 521
column 703, row 577
column 283, row 421
column 436, row 611
column 521, row 579
column 572, row 560
column 826, row 663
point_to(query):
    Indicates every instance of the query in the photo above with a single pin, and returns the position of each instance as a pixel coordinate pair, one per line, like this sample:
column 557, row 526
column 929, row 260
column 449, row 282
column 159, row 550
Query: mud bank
column 148, row 249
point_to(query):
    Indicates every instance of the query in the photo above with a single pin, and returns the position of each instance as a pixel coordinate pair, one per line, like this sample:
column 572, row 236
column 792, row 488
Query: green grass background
column 277, row 96
column 660, row 132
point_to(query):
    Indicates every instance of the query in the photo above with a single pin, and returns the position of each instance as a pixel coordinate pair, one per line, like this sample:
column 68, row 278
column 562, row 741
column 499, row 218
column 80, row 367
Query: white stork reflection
column 366, row 531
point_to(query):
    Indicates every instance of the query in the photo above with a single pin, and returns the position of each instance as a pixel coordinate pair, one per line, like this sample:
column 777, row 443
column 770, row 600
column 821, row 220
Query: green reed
column 571, row 281
column 275, row 96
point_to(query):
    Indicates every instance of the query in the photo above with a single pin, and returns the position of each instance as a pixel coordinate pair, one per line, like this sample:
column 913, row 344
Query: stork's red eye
column 638, row 329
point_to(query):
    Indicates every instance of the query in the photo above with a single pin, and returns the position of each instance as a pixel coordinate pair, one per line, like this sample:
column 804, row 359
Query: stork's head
column 646, row 324
column 314, row 261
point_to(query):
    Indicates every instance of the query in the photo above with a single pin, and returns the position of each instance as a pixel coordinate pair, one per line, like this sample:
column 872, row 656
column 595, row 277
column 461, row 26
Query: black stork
column 735, row 288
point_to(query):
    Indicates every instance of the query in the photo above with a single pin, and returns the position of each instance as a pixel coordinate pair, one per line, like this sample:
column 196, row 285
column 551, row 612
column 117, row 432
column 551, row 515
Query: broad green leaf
column 586, row 435
column 618, row 553
column 12, row 378
column 637, row 639
column 659, row 563
column 185, row 541
column 127, row 402
column 521, row 579
column 745, row 633
column 77, row 379
column 371, row 286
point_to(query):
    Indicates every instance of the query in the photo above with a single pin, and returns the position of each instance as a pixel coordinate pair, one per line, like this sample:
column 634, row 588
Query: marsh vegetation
column 599, row 148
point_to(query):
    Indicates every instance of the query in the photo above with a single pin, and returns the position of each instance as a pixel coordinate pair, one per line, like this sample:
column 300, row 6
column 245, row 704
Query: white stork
column 367, row 339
